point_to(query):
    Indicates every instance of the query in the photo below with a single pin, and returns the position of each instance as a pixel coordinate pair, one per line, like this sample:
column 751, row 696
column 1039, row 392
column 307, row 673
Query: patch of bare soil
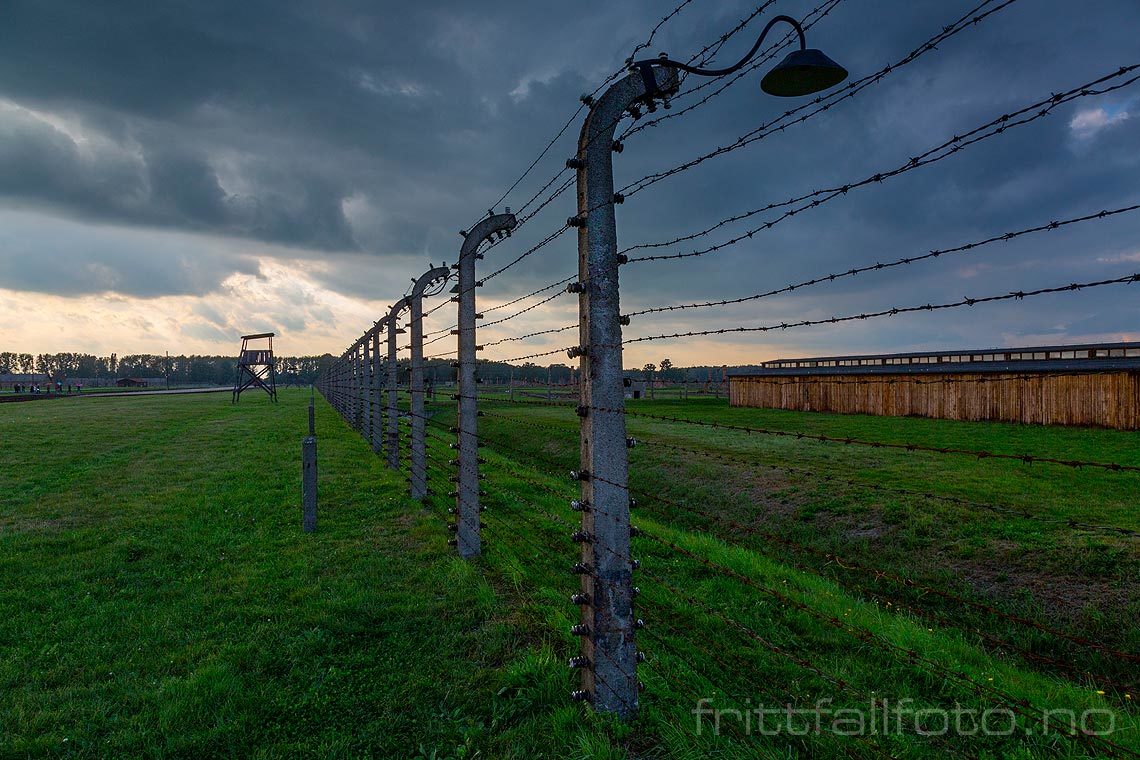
column 864, row 526
column 1065, row 597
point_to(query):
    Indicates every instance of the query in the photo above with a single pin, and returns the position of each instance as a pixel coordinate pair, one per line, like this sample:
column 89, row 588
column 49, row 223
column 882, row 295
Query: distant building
column 1087, row 384
column 634, row 389
column 131, row 382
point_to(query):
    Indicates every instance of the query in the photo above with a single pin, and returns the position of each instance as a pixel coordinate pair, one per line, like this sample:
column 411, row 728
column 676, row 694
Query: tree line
column 180, row 370
column 220, row 370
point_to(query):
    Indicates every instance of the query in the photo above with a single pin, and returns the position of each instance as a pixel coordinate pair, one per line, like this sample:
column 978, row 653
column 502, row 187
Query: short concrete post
column 312, row 417
column 309, row 483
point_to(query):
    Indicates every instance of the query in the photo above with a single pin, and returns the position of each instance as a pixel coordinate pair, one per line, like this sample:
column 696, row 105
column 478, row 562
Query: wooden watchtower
column 256, row 366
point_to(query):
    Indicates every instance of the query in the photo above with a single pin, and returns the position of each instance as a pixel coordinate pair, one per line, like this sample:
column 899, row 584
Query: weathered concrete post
column 309, row 482
column 342, row 387
column 358, row 386
column 549, row 388
column 467, row 494
column 609, row 654
column 374, row 391
column 339, row 402
column 394, row 329
column 312, row 417
column 346, row 387
column 433, row 277
column 368, row 366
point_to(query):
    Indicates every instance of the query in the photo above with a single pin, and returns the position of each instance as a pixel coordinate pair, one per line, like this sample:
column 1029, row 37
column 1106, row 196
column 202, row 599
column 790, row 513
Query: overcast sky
column 173, row 174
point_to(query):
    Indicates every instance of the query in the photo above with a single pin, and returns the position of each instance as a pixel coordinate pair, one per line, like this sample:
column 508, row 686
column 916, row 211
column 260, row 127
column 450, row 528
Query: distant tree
column 649, row 369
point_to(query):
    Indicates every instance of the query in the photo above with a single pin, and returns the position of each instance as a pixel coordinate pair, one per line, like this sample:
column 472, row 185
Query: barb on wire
column 656, row 28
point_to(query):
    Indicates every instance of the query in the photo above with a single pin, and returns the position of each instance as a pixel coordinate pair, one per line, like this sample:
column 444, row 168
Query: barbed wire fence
column 493, row 485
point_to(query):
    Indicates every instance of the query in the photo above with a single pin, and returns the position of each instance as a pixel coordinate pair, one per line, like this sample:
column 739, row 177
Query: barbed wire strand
column 938, row 153
column 879, row 266
column 824, row 102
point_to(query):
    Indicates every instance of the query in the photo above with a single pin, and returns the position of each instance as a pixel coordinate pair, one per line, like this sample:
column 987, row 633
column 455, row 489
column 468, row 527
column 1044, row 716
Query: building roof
column 1084, row 357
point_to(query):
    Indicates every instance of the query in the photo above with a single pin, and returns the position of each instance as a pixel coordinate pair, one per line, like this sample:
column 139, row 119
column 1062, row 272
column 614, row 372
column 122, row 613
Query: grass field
column 159, row 598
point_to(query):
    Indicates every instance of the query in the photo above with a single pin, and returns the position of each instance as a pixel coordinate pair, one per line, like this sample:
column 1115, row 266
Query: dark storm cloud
column 299, row 108
column 353, row 130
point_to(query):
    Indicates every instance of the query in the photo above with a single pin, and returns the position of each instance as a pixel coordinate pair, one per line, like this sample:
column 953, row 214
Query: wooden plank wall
column 1103, row 399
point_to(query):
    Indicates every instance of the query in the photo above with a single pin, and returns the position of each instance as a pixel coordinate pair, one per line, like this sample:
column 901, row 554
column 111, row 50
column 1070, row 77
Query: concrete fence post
column 367, row 367
column 309, row 483
column 338, row 402
column 394, row 329
column 358, row 387
column 607, row 628
column 375, row 407
column 342, row 387
column 466, row 494
column 434, row 276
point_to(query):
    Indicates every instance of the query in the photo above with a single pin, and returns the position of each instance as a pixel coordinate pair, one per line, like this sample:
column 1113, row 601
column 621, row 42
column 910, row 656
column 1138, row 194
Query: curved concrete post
column 358, row 385
column 374, row 406
column 436, row 275
column 467, row 494
column 609, row 673
column 393, row 391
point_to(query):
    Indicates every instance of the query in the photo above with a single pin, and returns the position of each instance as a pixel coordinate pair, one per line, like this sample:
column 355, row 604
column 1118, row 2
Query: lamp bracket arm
column 644, row 66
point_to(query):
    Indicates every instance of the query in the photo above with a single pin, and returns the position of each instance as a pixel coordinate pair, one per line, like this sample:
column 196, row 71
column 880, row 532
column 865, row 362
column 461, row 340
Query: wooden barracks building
column 1092, row 384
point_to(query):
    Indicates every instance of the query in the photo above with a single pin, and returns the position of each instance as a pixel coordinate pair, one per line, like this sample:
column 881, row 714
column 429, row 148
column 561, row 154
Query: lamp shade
column 803, row 72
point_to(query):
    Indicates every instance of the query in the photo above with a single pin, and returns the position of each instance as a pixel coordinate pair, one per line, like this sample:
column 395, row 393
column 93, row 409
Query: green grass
column 159, row 598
